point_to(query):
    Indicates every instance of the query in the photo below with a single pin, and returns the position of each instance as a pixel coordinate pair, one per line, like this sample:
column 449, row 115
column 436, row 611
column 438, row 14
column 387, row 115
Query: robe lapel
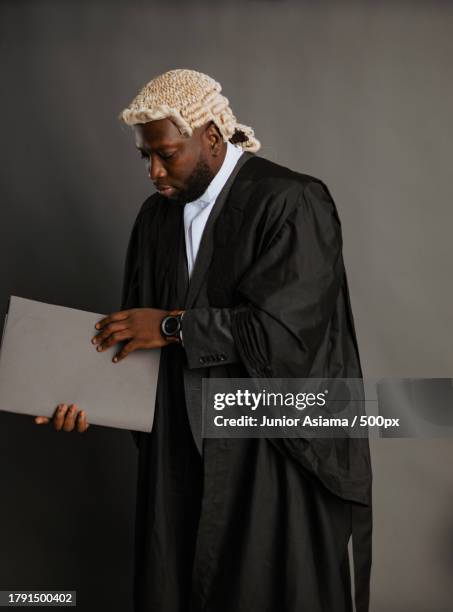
column 204, row 255
column 182, row 274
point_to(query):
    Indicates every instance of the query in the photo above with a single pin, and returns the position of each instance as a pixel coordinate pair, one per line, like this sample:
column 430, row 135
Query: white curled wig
column 190, row 99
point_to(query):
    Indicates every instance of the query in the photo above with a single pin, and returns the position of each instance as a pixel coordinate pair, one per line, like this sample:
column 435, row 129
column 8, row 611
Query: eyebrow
column 165, row 145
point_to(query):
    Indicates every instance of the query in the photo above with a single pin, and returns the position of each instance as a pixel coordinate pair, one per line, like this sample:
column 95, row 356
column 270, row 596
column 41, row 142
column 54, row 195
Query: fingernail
column 115, row 359
column 94, row 340
column 99, row 348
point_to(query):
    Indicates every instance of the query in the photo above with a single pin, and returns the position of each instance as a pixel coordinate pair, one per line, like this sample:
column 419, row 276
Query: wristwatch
column 171, row 326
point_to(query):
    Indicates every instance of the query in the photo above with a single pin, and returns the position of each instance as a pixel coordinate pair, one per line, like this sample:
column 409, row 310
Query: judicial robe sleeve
column 288, row 298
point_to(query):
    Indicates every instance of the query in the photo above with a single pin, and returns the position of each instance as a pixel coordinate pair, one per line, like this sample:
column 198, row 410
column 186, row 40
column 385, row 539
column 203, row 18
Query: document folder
column 47, row 358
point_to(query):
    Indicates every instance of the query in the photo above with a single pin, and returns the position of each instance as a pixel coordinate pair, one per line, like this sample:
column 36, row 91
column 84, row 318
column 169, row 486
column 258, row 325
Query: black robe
column 252, row 525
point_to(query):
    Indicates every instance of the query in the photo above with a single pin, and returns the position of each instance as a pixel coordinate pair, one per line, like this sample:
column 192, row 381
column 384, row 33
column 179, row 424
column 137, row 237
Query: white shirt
column 196, row 213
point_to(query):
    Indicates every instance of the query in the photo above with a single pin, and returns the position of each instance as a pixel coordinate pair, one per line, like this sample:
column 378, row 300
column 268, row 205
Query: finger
column 108, row 330
column 114, row 339
column 173, row 339
column 115, row 316
column 82, row 424
column 70, row 418
column 59, row 416
column 40, row 420
column 127, row 348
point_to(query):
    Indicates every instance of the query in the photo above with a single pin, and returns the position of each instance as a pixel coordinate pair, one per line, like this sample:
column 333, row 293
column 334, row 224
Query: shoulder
column 151, row 211
column 150, row 206
column 264, row 179
column 280, row 193
column 148, row 218
column 262, row 173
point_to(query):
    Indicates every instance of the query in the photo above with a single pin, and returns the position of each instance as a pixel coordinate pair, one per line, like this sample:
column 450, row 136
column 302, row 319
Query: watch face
column 170, row 326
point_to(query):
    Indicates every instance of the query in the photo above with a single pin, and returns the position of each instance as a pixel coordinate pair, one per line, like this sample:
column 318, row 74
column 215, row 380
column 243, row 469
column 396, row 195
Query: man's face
column 181, row 168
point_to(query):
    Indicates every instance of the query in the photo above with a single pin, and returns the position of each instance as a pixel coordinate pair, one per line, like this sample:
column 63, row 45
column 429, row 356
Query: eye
column 143, row 155
column 166, row 155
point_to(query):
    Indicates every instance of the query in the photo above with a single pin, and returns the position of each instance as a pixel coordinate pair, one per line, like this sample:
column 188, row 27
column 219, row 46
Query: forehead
column 157, row 133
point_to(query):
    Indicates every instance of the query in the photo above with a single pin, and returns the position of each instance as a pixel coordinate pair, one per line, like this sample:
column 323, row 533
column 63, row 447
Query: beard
column 196, row 184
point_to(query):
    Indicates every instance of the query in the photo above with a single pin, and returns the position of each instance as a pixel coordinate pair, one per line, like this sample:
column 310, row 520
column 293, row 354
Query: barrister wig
column 190, row 99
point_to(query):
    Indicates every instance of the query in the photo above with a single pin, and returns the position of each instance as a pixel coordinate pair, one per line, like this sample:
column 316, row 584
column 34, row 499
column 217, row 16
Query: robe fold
column 256, row 525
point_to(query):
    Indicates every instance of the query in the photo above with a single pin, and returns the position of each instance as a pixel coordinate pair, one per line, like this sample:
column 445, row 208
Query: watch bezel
column 164, row 322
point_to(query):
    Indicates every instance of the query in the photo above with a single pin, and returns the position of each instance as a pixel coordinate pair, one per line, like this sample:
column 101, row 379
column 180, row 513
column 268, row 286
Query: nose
column 155, row 169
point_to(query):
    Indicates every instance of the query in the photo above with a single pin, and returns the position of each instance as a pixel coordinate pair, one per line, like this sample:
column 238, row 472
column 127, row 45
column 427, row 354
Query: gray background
column 356, row 93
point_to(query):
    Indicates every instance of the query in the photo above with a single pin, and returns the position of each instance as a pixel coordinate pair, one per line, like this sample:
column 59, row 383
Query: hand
column 140, row 326
column 66, row 417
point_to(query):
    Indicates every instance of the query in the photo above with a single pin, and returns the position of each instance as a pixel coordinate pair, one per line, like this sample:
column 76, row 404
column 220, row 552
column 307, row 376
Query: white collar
column 233, row 153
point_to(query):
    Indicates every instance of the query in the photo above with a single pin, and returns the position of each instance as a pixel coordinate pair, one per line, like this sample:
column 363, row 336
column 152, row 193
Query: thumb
column 40, row 420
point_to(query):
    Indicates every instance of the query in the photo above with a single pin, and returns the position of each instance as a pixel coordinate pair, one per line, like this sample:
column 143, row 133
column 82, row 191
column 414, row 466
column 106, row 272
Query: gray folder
column 47, row 358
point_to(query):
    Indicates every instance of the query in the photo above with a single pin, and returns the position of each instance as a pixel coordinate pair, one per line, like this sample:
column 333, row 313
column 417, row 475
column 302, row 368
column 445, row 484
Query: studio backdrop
column 357, row 94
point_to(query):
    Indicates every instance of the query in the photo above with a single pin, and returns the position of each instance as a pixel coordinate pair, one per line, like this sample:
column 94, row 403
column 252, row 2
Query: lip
column 166, row 190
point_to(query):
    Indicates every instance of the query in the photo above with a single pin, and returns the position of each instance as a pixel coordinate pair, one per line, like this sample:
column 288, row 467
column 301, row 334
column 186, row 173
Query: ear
column 214, row 139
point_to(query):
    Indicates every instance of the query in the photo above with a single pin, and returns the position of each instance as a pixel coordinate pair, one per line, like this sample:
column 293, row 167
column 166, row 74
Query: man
column 235, row 269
